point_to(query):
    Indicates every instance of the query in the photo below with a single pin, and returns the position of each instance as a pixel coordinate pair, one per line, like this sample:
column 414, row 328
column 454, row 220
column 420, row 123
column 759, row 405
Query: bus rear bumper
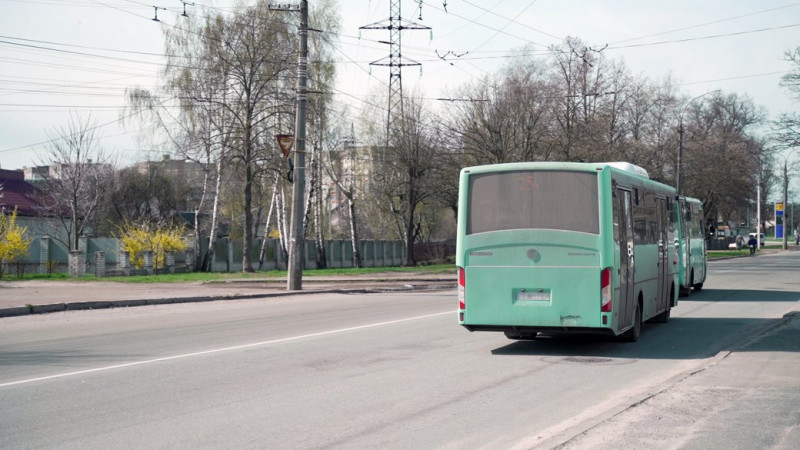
column 540, row 329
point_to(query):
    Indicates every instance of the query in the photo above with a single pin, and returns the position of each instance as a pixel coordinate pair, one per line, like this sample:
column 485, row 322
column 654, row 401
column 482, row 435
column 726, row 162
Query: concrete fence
column 104, row 257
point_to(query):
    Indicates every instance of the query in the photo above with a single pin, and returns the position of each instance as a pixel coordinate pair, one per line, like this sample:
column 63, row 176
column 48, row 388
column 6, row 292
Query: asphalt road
column 369, row 371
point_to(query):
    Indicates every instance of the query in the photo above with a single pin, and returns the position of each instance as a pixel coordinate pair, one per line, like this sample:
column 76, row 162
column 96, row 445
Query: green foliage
column 138, row 238
column 13, row 243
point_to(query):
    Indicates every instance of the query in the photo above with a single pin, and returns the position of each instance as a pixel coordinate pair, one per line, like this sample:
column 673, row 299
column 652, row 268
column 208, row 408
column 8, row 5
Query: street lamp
column 758, row 201
column 680, row 142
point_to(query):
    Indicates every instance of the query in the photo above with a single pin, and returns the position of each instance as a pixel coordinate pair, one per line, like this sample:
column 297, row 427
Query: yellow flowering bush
column 13, row 243
column 142, row 237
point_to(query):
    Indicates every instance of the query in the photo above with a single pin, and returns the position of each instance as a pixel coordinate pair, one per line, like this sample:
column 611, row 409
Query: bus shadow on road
column 680, row 338
column 741, row 295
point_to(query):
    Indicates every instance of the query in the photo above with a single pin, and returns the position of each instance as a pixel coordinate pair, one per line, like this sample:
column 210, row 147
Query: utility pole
column 297, row 255
column 758, row 206
column 297, row 238
column 785, row 199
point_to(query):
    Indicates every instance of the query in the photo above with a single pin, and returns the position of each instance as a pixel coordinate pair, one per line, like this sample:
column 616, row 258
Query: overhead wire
column 700, row 38
column 704, row 24
column 350, row 61
column 92, row 128
column 514, row 20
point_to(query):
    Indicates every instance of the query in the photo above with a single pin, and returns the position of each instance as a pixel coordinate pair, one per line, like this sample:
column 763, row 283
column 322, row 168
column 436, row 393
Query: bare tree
column 246, row 65
column 405, row 172
column 651, row 118
column 79, row 176
column 137, row 194
column 787, row 128
column 719, row 152
column 342, row 168
column 504, row 119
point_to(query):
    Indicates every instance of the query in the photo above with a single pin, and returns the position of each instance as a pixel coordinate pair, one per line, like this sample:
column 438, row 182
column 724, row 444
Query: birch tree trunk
column 267, row 227
column 281, row 219
column 212, row 234
column 351, row 208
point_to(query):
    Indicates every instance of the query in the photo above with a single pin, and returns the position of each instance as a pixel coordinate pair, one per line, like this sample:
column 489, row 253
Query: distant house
column 188, row 177
column 17, row 193
column 29, row 201
column 355, row 167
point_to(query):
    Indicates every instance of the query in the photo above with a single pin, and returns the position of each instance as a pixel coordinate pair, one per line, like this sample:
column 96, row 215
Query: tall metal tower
column 395, row 24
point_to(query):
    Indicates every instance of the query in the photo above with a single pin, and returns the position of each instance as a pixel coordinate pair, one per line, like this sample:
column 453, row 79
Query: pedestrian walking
column 752, row 244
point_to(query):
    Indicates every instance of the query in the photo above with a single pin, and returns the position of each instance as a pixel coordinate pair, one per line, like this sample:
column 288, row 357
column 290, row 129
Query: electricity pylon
column 395, row 61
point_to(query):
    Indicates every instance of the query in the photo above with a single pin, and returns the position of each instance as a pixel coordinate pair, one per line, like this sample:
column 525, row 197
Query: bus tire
column 520, row 336
column 698, row 287
column 632, row 335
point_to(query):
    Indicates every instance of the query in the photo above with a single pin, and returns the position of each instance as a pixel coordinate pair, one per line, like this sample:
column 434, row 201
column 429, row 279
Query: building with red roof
column 17, row 193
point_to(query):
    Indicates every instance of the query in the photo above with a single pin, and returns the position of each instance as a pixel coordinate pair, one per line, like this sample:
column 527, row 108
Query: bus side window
column 640, row 231
column 671, row 213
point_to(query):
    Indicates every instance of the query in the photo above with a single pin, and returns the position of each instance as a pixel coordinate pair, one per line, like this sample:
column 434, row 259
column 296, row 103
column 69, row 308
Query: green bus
column 692, row 246
column 560, row 247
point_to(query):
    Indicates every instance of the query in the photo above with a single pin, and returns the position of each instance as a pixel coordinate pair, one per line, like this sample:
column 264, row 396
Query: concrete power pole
column 297, row 255
column 297, row 239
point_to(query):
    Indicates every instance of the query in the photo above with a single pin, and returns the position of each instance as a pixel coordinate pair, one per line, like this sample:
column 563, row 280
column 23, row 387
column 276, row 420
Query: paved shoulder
column 745, row 399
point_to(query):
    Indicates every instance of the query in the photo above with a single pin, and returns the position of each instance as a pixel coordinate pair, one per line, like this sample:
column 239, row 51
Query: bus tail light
column 461, row 288
column 605, row 290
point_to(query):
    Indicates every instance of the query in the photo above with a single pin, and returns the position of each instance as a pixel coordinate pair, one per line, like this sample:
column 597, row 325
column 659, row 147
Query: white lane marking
column 220, row 350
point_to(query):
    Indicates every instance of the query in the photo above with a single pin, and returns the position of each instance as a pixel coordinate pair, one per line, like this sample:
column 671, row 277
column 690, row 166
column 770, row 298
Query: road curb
column 107, row 304
column 78, row 306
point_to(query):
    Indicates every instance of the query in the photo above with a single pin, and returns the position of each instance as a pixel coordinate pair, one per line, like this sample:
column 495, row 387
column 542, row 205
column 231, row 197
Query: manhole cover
column 587, row 360
column 595, row 360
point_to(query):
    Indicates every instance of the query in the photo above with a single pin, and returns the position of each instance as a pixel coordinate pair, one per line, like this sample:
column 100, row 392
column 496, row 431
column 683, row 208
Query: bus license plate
column 535, row 296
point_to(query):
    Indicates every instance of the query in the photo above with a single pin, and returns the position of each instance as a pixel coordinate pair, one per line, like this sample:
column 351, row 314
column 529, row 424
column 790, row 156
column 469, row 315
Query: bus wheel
column 633, row 334
column 520, row 336
column 698, row 287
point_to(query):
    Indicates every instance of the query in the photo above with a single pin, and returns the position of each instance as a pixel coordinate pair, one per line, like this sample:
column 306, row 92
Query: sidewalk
column 40, row 296
column 743, row 398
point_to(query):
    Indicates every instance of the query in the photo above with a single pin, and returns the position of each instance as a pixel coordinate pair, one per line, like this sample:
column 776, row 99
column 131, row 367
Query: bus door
column 664, row 248
column 624, row 213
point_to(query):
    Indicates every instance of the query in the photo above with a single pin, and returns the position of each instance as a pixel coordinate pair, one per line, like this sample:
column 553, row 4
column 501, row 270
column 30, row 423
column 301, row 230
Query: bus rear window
column 553, row 200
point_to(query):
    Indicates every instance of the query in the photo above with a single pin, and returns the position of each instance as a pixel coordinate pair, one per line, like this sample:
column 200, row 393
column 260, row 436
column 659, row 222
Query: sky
column 63, row 58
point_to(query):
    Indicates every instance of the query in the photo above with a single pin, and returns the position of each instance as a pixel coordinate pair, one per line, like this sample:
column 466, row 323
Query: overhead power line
column 71, row 52
column 713, row 36
column 727, row 19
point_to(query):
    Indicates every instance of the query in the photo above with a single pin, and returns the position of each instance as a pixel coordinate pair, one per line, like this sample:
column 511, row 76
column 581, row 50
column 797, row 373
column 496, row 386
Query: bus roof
column 628, row 167
column 692, row 200
column 560, row 165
